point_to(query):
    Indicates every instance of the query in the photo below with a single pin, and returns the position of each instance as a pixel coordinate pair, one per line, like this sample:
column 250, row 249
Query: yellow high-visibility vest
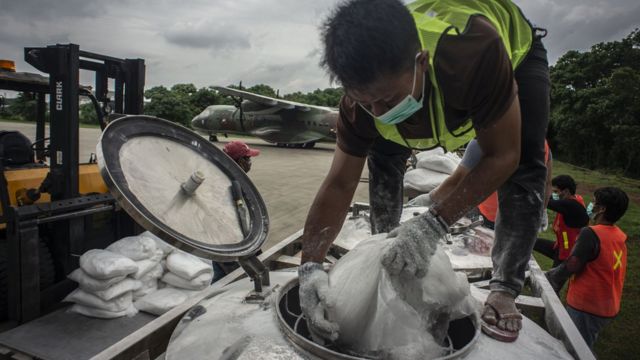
column 435, row 18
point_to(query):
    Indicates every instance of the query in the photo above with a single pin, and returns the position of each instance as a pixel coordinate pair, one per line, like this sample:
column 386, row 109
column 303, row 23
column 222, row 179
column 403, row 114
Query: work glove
column 315, row 299
column 414, row 243
column 421, row 200
column 544, row 223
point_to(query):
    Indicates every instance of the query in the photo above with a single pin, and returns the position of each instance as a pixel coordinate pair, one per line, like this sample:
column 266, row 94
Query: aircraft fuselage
column 271, row 123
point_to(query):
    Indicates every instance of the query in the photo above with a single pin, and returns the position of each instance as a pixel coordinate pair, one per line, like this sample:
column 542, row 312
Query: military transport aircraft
column 278, row 121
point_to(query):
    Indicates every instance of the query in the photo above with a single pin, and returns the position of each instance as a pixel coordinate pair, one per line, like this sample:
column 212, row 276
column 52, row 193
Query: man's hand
column 544, row 223
column 314, row 300
column 414, row 244
column 554, row 279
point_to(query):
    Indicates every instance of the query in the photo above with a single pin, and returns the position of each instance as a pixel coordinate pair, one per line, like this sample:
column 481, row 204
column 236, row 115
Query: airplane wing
column 269, row 101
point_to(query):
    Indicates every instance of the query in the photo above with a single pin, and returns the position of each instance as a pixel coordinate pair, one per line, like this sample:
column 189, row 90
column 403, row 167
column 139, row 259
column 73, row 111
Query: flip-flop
column 495, row 332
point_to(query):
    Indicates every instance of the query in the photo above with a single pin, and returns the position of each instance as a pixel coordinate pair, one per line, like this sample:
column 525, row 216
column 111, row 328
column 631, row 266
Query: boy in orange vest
column 597, row 266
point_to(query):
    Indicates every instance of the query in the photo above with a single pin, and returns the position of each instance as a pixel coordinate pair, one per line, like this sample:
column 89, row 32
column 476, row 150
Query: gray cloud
column 579, row 24
column 34, row 10
column 208, row 35
column 275, row 42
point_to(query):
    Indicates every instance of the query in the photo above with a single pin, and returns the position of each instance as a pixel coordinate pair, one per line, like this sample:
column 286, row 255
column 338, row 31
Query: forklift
column 52, row 207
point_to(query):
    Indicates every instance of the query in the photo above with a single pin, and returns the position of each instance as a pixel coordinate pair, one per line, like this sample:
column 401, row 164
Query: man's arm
column 500, row 143
column 330, row 206
column 586, row 249
column 449, row 184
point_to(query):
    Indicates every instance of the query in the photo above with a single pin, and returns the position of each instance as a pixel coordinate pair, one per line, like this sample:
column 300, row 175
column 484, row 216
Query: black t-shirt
column 573, row 213
column 587, row 246
column 587, row 249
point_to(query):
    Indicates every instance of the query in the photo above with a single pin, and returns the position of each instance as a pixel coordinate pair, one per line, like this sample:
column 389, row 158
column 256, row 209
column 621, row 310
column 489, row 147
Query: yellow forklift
column 52, row 207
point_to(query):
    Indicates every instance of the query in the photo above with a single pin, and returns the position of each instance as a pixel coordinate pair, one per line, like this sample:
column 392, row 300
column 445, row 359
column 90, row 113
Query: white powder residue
column 208, row 216
column 395, row 316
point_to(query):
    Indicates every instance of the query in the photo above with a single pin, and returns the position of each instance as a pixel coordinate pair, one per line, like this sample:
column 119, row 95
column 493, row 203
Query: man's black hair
column 614, row 200
column 366, row 39
column 564, row 182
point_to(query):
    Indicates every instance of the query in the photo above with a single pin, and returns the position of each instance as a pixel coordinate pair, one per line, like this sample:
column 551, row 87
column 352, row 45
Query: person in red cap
column 241, row 153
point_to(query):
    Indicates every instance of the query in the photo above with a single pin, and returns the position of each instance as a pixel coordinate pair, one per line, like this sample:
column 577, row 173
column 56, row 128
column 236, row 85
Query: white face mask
column 405, row 108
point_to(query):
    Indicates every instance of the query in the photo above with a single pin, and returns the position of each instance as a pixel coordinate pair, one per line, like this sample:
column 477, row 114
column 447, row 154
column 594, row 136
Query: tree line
column 595, row 105
column 182, row 102
column 179, row 103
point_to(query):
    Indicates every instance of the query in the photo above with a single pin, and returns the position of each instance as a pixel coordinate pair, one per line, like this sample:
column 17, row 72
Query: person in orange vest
column 596, row 266
column 570, row 218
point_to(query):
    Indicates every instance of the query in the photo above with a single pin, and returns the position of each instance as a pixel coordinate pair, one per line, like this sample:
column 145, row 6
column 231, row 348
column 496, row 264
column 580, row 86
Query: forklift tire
column 47, row 274
column 47, row 268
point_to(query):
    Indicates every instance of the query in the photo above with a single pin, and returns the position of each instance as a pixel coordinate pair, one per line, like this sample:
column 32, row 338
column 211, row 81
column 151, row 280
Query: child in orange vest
column 597, row 266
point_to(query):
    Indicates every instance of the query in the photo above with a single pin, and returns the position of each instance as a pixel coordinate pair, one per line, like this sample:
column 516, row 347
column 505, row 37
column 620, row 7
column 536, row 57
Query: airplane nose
column 197, row 121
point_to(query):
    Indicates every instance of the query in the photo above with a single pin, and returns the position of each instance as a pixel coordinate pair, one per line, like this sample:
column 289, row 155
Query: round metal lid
column 180, row 187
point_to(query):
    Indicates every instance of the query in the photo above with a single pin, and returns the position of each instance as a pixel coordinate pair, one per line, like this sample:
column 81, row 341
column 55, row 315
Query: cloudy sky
column 275, row 42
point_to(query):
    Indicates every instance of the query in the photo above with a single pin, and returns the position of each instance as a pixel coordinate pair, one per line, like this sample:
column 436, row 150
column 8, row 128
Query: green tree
column 263, row 89
column 179, row 104
column 169, row 104
column 595, row 113
column 23, row 107
column 204, row 97
column 88, row 114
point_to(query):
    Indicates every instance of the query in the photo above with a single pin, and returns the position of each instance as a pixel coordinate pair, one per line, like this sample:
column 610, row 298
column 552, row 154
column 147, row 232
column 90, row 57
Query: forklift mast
column 63, row 64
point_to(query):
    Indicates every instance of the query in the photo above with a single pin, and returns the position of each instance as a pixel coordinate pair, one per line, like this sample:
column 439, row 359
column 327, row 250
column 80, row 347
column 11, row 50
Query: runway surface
column 287, row 179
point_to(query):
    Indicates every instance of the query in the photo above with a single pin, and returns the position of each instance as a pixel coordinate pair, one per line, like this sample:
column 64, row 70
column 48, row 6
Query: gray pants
column 516, row 229
column 521, row 197
column 588, row 325
column 387, row 164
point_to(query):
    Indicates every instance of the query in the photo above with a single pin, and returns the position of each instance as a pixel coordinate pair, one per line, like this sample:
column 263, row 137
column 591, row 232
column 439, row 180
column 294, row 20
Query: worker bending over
column 433, row 73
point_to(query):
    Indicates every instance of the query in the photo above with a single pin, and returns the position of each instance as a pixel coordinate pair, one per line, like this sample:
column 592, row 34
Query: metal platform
column 62, row 335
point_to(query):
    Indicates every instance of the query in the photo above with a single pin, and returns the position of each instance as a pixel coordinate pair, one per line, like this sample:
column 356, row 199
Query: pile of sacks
column 136, row 273
column 433, row 167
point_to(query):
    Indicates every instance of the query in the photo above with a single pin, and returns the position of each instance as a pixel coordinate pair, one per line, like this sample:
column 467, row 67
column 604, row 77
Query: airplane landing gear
column 307, row 145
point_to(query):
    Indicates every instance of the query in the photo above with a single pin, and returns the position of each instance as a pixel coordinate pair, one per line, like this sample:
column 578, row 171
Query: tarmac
column 287, row 178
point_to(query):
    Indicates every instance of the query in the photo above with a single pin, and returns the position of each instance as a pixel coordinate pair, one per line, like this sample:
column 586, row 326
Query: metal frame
column 151, row 340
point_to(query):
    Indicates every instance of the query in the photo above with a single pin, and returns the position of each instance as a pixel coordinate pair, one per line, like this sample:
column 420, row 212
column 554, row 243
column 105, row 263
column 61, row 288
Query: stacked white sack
column 188, row 272
column 145, row 252
column 433, row 167
column 160, row 244
column 187, row 276
column 104, row 289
